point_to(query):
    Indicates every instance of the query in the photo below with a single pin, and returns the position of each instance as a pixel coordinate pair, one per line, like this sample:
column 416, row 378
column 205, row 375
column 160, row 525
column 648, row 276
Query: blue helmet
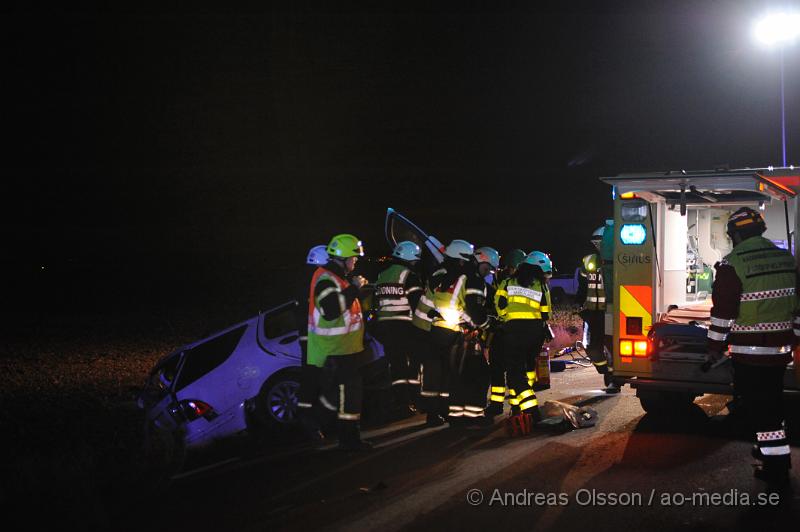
column 318, row 255
column 407, row 250
column 489, row 256
column 540, row 259
column 460, row 249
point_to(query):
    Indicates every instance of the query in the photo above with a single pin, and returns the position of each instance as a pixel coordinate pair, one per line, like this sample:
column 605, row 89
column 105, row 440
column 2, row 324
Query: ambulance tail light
column 641, row 348
column 634, row 348
column 626, row 348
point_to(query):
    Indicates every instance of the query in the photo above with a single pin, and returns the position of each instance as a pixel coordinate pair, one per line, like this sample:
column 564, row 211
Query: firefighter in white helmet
column 459, row 297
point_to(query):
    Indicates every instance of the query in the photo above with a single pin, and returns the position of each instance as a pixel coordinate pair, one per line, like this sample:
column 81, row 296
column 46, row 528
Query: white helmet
column 318, row 255
column 460, row 249
column 598, row 234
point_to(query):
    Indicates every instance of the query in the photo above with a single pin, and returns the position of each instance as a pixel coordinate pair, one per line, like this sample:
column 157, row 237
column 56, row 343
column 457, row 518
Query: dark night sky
column 205, row 140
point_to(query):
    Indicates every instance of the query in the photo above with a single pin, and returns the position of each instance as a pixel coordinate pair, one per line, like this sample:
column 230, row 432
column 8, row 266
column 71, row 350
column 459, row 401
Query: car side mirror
column 289, row 339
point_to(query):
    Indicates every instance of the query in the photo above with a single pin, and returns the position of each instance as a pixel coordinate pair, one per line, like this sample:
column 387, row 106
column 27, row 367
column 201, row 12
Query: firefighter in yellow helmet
column 592, row 296
column 336, row 337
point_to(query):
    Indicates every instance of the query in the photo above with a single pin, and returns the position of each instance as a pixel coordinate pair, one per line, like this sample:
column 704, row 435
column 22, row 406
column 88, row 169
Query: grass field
column 71, row 429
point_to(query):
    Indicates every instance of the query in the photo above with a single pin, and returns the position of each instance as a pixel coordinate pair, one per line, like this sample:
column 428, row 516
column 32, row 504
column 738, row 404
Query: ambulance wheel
column 659, row 402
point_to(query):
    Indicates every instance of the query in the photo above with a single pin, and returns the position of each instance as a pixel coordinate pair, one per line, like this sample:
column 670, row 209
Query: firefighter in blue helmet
column 398, row 289
column 309, row 412
column 523, row 304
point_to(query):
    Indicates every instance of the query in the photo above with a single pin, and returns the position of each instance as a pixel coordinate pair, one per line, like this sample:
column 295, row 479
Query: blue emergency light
column 633, row 234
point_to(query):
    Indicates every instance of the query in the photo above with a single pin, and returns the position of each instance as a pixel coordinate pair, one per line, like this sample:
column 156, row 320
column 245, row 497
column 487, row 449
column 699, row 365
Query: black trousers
column 497, row 368
column 308, row 395
column 595, row 322
column 761, row 392
column 469, row 378
column 401, row 343
column 343, row 386
column 435, row 386
column 523, row 341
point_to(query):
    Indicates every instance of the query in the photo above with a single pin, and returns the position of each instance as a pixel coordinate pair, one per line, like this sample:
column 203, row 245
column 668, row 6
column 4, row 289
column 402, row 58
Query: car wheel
column 276, row 404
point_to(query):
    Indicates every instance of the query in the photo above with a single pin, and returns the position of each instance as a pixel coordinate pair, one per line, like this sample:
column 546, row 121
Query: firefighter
column 459, row 296
column 397, row 292
column 592, row 297
column 309, row 374
column 488, row 260
column 520, row 302
column 512, row 259
column 489, row 267
column 755, row 315
column 336, row 337
column 433, row 387
column 498, row 385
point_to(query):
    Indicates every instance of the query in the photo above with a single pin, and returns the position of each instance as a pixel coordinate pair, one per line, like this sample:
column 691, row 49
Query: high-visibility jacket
column 343, row 335
column 755, row 303
column 420, row 319
column 451, row 302
column 392, row 288
column 523, row 302
column 592, row 275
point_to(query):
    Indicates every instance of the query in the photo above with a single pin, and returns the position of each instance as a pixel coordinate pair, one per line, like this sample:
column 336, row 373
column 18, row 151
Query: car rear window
column 281, row 323
column 205, row 357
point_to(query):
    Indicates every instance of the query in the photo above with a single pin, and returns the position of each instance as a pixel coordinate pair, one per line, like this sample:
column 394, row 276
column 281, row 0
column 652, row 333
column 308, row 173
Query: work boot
column 350, row 437
column 775, row 477
column 434, row 420
column 455, row 421
column 486, row 420
column 494, row 409
column 311, row 428
column 519, row 425
column 612, row 388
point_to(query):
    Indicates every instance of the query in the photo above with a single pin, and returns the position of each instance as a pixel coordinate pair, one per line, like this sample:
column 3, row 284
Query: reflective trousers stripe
column 760, row 350
column 780, row 450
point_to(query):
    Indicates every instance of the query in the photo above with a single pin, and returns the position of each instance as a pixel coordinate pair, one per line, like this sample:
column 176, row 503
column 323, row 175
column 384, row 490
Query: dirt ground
column 71, row 429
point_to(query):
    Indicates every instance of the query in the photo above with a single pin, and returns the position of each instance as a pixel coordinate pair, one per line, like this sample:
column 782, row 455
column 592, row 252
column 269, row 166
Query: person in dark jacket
column 755, row 316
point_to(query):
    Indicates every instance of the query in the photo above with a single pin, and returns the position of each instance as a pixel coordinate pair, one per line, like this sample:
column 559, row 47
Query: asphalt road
column 630, row 472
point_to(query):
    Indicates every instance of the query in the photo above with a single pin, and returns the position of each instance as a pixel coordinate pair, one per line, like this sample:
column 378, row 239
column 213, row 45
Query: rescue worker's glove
column 358, row 281
column 713, row 358
column 492, row 323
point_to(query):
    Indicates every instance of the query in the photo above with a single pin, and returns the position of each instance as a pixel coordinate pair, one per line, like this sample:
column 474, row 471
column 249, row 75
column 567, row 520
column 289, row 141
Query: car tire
column 276, row 402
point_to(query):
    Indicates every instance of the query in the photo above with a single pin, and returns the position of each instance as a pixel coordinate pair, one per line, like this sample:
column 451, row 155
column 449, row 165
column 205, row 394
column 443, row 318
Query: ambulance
column 659, row 251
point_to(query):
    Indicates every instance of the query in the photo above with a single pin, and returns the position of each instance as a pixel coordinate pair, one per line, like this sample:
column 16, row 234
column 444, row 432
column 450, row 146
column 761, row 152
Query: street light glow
column 777, row 29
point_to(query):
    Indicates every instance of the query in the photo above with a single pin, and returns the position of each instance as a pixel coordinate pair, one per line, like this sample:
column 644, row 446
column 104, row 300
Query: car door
column 220, row 371
column 399, row 228
column 277, row 331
